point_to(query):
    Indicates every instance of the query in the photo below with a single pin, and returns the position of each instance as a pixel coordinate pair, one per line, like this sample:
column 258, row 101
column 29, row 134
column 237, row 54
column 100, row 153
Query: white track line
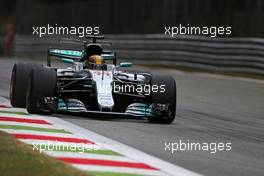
column 106, row 143
column 126, row 150
column 58, row 144
column 119, row 170
column 19, row 116
column 90, row 156
column 53, row 134
column 29, row 124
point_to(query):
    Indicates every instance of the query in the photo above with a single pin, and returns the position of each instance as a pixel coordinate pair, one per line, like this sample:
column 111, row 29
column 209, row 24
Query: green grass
column 18, row 159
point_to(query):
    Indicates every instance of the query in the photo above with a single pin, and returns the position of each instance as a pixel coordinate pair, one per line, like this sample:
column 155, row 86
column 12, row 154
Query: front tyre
column 42, row 83
column 18, row 84
column 167, row 97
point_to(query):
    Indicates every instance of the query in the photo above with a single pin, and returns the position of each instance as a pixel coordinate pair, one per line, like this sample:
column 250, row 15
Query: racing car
column 93, row 83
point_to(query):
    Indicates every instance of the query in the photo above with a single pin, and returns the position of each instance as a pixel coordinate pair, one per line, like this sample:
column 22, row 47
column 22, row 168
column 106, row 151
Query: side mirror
column 125, row 64
column 68, row 61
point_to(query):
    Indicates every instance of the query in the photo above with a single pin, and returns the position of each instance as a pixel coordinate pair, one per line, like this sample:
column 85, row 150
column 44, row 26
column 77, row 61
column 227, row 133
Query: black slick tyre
column 168, row 97
column 18, row 84
column 42, row 83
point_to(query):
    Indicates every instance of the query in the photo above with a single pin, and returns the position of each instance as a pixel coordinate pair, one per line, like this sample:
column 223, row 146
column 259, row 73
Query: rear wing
column 76, row 55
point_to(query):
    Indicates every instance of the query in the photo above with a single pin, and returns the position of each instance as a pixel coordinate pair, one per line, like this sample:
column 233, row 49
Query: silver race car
column 93, row 84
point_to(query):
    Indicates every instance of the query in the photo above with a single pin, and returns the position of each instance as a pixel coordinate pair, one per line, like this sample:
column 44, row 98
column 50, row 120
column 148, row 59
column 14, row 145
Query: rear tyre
column 42, row 83
column 18, row 84
column 167, row 97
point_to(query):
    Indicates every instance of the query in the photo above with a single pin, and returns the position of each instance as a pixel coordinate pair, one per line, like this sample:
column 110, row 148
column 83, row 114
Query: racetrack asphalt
column 210, row 109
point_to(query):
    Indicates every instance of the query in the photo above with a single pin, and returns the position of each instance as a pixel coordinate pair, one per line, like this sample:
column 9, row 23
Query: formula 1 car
column 93, row 84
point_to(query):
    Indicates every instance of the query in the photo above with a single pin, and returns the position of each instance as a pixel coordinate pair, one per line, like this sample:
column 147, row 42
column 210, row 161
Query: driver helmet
column 94, row 60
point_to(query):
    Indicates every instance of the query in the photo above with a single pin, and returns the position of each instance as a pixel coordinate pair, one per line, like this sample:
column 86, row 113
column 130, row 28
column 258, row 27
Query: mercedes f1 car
column 94, row 84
